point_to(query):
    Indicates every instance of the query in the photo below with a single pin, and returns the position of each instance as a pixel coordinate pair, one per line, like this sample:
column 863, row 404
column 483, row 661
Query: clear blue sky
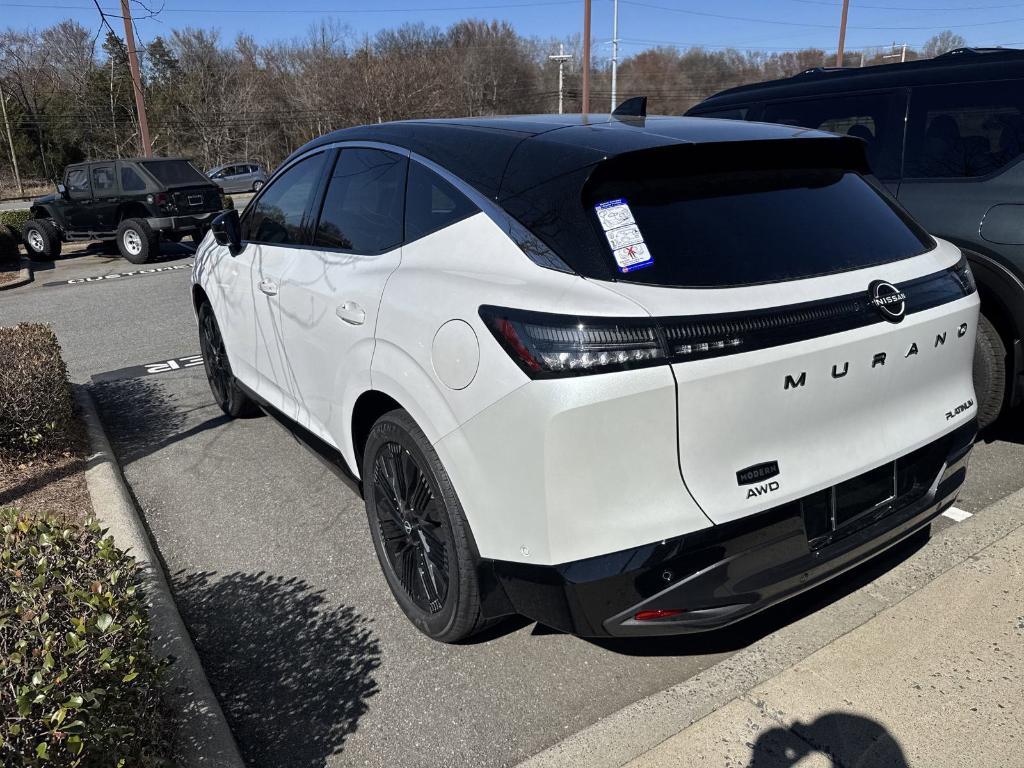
column 746, row 24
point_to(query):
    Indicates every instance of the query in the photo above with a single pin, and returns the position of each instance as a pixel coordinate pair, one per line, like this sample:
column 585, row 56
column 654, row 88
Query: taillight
column 965, row 276
column 548, row 345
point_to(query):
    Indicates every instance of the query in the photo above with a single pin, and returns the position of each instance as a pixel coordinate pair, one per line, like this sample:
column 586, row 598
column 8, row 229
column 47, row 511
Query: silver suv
column 239, row 177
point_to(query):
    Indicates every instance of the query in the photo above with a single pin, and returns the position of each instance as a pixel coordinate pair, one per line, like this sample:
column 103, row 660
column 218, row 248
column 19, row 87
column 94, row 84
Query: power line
column 909, row 8
column 321, row 11
column 750, row 19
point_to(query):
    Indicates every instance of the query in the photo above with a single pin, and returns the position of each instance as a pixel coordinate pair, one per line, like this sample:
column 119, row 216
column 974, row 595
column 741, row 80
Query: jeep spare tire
column 42, row 241
column 137, row 241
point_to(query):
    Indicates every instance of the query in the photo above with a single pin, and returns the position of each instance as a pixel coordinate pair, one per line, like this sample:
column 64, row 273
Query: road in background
column 275, row 574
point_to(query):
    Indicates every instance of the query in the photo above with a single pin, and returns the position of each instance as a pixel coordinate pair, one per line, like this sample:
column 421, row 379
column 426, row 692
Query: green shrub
column 11, row 223
column 79, row 685
column 9, row 240
column 36, row 409
column 15, row 219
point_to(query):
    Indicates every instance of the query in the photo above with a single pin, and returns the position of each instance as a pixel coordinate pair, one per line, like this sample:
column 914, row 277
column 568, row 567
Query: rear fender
column 1002, row 294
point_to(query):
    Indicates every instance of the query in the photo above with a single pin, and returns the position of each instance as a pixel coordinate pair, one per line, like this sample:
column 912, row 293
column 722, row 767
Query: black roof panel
column 503, row 156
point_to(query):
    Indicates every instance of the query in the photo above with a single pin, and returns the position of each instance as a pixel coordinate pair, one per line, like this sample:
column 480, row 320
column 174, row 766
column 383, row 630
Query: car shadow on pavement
column 1009, row 428
column 844, row 738
column 750, row 630
column 292, row 672
column 141, row 418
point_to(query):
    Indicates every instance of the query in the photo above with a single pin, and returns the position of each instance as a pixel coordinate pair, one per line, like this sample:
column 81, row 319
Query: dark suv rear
column 134, row 203
column 946, row 137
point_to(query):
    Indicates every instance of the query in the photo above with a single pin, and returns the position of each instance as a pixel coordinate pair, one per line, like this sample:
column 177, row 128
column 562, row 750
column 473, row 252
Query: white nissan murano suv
column 623, row 376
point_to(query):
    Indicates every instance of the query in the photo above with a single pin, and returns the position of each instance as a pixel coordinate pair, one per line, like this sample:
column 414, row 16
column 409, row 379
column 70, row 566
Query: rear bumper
column 722, row 574
column 190, row 223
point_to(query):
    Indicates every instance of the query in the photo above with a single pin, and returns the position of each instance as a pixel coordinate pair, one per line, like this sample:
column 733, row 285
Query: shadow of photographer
column 841, row 737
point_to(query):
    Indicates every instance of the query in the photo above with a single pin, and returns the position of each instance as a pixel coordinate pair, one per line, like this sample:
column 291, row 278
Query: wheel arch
column 42, row 212
column 199, row 297
column 1002, row 301
column 368, row 407
column 132, row 210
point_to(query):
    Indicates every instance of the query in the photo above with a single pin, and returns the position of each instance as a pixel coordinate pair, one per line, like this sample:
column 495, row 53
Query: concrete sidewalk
column 935, row 680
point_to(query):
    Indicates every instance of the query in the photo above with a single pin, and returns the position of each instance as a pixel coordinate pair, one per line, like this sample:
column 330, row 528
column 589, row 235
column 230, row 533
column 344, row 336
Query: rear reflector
column 659, row 613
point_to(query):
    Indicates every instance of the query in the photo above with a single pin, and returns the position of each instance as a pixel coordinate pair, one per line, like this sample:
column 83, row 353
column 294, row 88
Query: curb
column 638, row 728
column 24, row 277
column 203, row 739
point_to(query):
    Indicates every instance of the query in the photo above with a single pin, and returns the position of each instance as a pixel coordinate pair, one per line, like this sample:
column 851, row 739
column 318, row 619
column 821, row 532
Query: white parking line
column 956, row 515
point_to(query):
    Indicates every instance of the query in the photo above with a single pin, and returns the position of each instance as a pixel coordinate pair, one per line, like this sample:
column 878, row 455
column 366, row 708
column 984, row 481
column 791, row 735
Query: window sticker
column 614, row 213
column 623, row 235
column 633, row 257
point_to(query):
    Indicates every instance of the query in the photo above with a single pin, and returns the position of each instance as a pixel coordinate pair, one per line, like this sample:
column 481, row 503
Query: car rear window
column 172, row 173
column 698, row 225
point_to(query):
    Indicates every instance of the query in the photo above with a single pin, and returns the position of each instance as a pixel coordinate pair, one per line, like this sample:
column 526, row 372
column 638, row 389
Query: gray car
column 239, row 177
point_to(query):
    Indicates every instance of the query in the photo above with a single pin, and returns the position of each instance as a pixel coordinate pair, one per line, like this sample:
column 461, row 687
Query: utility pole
column 10, row 141
column 615, row 50
column 561, row 57
column 902, row 54
column 585, row 105
column 842, row 33
column 133, row 65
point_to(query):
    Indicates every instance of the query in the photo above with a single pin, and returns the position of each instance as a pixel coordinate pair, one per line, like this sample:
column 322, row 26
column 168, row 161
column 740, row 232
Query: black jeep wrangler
column 133, row 202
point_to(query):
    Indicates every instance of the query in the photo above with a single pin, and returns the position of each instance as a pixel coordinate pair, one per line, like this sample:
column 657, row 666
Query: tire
column 137, row 241
column 257, row 185
column 223, row 385
column 42, row 241
column 989, row 372
column 421, row 536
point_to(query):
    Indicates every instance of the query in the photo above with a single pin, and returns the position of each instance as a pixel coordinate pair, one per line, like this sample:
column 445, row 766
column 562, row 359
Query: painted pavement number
column 119, row 275
column 149, row 369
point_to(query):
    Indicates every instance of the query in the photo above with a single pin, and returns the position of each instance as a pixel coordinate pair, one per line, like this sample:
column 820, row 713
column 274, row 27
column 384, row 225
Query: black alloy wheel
column 419, row 531
column 413, row 530
column 226, row 392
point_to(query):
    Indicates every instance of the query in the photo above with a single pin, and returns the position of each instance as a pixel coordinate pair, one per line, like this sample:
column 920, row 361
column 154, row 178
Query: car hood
column 50, row 198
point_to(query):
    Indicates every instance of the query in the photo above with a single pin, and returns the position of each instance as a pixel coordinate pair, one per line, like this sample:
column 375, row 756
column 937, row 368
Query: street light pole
column 133, row 65
column 561, row 57
column 842, row 33
column 615, row 50
column 585, row 101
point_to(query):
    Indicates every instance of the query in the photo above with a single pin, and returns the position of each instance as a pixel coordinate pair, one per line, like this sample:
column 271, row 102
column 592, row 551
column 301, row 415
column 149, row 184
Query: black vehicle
column 946, row 137
column 133, row 202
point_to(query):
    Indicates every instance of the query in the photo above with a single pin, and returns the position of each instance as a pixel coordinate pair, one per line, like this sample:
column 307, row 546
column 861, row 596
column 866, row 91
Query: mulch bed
column 9, row 274
column 53, row 485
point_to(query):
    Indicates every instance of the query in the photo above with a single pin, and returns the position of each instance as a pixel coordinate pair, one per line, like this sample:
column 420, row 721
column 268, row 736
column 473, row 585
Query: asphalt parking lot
column 276, row 578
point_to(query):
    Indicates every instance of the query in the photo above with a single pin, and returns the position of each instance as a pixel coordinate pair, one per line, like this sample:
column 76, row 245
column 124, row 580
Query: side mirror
column 227, row 231
column 62, row 190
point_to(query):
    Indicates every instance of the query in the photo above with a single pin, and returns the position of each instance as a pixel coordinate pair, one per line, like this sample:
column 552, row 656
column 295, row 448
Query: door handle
column 351, row 313
column 269, row 287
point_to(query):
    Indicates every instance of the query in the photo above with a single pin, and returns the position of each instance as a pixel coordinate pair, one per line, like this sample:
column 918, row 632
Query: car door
column 106, row 198
column 331, row 293
column 243, row 182
column 274, row 230
column 80, row 214
column 962, row 142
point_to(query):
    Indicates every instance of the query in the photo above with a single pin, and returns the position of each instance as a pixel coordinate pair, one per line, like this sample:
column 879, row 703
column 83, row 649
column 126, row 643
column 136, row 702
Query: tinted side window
column 873, row 117
column 431, row 203
column 362, row 211
column 277, row 215
column 731, row 113
column 77, row 184
column 131, row 181
column 960, row 131
column 103, row 182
